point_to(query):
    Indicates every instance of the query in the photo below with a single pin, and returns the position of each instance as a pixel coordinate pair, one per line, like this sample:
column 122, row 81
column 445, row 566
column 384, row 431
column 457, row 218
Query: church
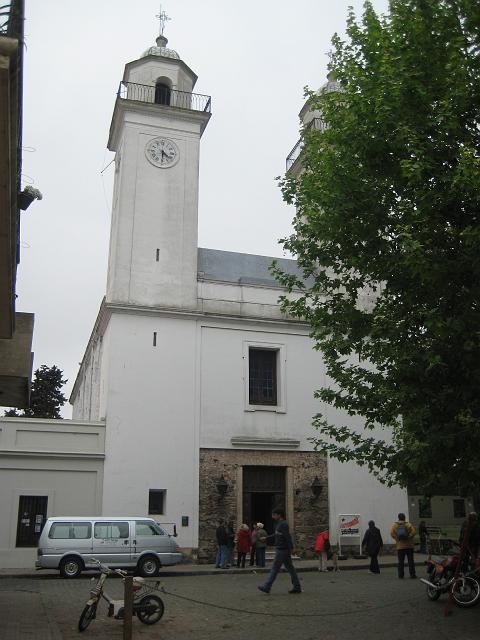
column 205, row 387
column 195, row 396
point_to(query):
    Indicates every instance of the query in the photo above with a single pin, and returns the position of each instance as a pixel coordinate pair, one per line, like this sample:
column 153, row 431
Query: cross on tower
column 163, row 18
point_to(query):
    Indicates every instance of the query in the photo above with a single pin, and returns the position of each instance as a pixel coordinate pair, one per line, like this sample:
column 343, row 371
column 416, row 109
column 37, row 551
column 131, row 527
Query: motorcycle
column 465, row 588
column 148, row 607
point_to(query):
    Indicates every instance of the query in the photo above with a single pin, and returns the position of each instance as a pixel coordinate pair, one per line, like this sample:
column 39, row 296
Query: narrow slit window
column 158, row 255
column 154, row 338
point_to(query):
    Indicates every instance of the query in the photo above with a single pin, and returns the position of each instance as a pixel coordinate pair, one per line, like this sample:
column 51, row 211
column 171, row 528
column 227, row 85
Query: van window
column 114, row 530
column 147, row 529
column 70, row 531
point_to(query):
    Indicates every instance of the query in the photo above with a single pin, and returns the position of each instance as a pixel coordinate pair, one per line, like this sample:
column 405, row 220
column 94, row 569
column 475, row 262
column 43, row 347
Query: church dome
column 161, row 50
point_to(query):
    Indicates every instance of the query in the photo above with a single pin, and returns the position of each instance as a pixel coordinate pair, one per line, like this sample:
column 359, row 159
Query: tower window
column 162, row 93
column 262, row 364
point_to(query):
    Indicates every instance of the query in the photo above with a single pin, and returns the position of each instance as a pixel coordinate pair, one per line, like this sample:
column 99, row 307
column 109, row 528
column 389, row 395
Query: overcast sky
column 253, row 58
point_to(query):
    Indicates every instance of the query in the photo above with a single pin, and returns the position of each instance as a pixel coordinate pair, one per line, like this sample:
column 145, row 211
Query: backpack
column 402, row 531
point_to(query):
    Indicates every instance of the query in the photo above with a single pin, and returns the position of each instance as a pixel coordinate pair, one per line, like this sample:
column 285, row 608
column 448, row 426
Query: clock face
column 162, row 152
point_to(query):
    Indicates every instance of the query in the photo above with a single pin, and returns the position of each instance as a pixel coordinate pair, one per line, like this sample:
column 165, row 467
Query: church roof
column 241, row 268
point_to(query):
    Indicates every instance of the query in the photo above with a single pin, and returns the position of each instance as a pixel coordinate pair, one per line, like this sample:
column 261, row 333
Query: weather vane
column 163, row 18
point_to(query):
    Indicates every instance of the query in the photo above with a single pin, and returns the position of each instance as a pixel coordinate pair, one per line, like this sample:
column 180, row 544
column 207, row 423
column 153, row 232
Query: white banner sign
column 349, row 525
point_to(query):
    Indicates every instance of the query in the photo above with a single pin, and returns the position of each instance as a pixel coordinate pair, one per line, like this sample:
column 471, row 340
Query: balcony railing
column 315, row 123
column 169, row 98
column 11, row 18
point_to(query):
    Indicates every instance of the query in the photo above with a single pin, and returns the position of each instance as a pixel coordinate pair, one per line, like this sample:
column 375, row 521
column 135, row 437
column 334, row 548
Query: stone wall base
column 307, row 514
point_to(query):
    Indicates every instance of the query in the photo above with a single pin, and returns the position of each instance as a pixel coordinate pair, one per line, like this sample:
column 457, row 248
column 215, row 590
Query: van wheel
column 148, row 566
column 70, row 567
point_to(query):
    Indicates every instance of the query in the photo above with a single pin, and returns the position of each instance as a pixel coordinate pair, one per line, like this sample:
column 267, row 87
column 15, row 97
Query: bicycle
column 148, row 608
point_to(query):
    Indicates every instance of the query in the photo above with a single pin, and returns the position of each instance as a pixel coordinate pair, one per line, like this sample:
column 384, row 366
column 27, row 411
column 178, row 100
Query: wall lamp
column 222, row 486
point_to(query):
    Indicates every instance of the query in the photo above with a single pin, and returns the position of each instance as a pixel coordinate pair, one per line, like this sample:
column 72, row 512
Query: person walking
column 372, row 543
column 261, row 544
column 253, row 541
column 321, row 548
column 423, row 535
column 473, row 542
column 283, row 554
column 243, row 545
column 403, row 533
column 222, row 542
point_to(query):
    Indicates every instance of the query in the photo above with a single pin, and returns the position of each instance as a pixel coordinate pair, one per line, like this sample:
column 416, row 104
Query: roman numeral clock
column 162, row 152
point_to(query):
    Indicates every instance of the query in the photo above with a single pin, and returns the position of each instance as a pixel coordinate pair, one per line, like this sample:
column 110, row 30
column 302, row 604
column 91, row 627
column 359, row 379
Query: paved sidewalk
column 332, row 606
column 187, row 569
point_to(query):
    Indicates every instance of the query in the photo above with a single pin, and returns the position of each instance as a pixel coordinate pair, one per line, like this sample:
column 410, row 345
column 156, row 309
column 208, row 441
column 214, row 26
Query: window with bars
column 262, row 369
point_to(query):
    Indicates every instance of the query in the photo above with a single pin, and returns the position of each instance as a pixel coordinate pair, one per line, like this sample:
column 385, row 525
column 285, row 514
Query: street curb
column 38, row 575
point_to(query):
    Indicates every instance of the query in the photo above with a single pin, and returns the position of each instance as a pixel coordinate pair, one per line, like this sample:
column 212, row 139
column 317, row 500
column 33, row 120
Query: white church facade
column 195, row 396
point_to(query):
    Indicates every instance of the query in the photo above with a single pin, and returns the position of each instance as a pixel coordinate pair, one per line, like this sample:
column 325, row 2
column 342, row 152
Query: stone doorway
column 263, row 489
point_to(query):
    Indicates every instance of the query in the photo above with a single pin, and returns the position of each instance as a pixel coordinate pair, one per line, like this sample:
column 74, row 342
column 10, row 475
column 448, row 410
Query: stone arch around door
column 278, row 478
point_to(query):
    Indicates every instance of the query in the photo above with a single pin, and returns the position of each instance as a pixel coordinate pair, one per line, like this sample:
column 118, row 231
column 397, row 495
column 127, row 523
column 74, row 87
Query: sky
column 253, row 58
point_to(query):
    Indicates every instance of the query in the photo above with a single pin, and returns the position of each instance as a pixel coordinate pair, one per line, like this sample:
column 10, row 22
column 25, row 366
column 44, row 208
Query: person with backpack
column 403, row 533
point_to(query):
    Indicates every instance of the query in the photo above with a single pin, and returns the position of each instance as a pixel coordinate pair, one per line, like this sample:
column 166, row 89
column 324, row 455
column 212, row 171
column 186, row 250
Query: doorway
column 32, row 514
column 263, row 490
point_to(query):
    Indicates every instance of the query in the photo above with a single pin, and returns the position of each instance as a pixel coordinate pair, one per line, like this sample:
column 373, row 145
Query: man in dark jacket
column 283, row 554
column 473, row 543
column 372, row 543
column 222, row 541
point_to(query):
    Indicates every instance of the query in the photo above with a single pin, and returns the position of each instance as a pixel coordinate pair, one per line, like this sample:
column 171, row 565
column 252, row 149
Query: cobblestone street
column 332, row 606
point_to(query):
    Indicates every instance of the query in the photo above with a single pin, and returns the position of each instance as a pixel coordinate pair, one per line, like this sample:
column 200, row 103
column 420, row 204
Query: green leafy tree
column 46, row 397
column 388, row 231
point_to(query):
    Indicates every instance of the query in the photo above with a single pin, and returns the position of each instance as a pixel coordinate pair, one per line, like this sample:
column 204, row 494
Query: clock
column 162, row 152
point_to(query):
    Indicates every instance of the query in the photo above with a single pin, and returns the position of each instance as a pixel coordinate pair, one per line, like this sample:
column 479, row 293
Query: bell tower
column 155, row 133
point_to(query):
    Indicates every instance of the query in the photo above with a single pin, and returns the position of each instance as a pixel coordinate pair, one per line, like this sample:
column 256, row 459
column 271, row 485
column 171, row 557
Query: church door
column 263, row 490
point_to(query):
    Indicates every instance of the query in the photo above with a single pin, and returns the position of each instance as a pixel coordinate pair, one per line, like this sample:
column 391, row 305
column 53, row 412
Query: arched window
column 162, row 93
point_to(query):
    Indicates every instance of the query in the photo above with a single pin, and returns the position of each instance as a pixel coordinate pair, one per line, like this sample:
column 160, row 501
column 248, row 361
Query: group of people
column 247, row 540
column 253, row 541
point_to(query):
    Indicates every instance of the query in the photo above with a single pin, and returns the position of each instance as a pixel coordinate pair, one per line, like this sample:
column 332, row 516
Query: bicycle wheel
column 150, row 609
column 465, row 591
column 88, row 614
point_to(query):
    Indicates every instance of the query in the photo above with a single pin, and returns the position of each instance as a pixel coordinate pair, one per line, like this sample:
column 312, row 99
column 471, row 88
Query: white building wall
column 59, row 459
column 225, row 412
column 151, row 438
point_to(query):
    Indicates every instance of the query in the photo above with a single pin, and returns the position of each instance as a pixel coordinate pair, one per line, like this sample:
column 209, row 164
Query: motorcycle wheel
column 155, row 610
column 466, row 592
column 88, row 614
column 433, row 594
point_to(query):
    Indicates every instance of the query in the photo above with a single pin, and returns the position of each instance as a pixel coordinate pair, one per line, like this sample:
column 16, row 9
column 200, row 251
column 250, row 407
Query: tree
column 387, row 229
column 46, row 397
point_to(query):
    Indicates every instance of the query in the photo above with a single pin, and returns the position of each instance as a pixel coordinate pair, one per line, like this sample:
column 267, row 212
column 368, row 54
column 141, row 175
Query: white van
column 68, row 544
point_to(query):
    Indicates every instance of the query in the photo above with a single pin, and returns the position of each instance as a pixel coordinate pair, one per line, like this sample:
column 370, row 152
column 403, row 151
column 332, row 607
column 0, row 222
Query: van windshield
column 144, row 528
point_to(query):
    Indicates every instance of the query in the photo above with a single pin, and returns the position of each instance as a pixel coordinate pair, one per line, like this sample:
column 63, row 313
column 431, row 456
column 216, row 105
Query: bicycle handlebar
column 107, row 569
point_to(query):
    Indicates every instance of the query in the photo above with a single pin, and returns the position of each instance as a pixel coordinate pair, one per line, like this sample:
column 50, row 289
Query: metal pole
column 128, row 608
column 463, row 552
